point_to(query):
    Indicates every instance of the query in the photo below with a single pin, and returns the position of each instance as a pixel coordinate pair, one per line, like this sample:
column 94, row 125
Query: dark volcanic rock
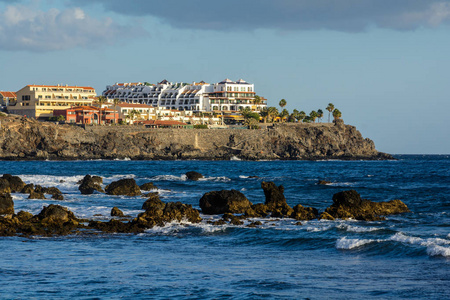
column 55, row 192
column 304, row 213
column 36, row 195
column 116, row 212
column 148, row 186
column 153, row 202
column 349, row 204
column 4, row 186
column 27, row 189
column 89, row 184
column 127, row 187
column 323, row 182
column 275, row 200
column 6, row 204
column 55, row 215
column 15, row 182
column 225, row 201
column 172, row 211
column 193, row 175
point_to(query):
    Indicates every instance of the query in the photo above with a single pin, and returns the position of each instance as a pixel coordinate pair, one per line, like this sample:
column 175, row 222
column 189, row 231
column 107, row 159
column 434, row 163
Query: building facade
column 7, row 98
column 39, row 101
column 226, row 95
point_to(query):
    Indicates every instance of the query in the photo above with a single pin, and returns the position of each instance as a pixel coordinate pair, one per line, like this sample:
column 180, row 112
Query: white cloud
column 28, row 29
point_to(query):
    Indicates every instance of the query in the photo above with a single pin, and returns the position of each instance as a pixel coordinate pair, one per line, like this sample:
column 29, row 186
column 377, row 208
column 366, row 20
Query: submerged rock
column 90, row 184
column 148, row 186
column 127, row 187
column 6, row 204
column 323, row 182
column 349, row 204
column 192, row 175
column 225, row 201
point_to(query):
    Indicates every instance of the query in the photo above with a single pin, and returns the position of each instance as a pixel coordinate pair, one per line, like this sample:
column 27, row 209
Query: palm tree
column 319, row 114
column 282, row 103
column 115, row 102
column 300, row 116
column 283, row 114
column 257, row 100
column 264, row 113
column 273, row 112
column 100, row 101
column 330, row 108
column 337, row 114
column 313, row 115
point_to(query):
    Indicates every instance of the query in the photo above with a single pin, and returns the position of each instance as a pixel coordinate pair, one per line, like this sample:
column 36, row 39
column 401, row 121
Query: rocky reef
column 22, row 138
column 231, row 204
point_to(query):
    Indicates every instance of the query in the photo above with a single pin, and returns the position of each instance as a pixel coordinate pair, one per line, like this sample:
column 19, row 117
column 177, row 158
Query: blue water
column 406, row 256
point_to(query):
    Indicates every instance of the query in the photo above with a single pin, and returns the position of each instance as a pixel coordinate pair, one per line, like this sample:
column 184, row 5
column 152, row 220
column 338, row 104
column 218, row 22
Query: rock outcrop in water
column 350, row 205
column 225, row 201
column 127, row 187
column 90, row 184
column 22, row 138
column 58, row 220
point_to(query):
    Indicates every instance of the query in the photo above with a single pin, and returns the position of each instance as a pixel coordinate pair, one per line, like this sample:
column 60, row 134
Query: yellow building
column 39, row 101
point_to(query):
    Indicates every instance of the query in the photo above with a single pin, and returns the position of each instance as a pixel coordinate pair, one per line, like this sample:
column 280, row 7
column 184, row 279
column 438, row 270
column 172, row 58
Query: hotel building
column 39, row 101
column 226, row 95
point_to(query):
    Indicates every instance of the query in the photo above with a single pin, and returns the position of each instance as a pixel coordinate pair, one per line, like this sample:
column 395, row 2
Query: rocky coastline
column 28, row 139
column 232, row 205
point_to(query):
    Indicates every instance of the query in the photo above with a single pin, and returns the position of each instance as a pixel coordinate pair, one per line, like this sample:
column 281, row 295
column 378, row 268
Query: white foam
column 169, row 178
column 243, row 176
column 347, row 244
column 318, row 228
column 434, row 245
column 235, row 158
column 359, row 229
column 437, row 250
column 220, row 179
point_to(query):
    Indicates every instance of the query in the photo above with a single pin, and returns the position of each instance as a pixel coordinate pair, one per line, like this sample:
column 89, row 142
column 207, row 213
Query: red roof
column 8, row 94
column 62, row 86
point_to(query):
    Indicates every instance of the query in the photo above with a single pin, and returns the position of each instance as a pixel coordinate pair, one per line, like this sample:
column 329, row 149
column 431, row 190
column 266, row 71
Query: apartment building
column 226, row 95
column 39, row 101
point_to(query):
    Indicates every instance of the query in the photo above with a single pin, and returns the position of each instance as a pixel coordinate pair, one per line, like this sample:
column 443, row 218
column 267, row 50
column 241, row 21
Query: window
column 39, row 96
column 26, row 97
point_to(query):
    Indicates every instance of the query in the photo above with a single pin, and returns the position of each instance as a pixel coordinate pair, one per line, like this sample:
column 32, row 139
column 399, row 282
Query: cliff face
column 30, row 139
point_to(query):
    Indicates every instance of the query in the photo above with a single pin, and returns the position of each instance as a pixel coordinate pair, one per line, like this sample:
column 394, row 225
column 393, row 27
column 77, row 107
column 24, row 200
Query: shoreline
column 28, row 139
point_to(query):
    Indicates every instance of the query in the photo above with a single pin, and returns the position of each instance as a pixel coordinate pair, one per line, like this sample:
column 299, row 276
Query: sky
column 384, row 64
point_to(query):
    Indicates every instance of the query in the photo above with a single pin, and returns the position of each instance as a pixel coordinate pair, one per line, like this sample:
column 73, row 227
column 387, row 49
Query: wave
column 357, row 229
column 434, row 245
column 184, row 178
column 348, row 244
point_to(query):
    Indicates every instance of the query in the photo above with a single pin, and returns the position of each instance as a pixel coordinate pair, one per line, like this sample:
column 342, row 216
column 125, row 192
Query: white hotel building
column 226, row 95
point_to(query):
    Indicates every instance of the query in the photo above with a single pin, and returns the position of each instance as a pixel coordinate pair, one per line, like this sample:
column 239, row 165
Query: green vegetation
column 57, row 119
column 100, row 101
column 282, row 103
column 337, row 114
column 201, row 126
column 330, row 108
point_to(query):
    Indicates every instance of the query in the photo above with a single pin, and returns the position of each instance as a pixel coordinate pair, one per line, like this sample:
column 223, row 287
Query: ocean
column 405, row 256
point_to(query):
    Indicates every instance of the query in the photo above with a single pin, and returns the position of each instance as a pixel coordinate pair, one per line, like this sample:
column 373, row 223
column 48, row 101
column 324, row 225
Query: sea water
column 406, row 256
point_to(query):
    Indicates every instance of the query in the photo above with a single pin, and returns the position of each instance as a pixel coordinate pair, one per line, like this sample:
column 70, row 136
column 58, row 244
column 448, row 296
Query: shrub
column 201, row 126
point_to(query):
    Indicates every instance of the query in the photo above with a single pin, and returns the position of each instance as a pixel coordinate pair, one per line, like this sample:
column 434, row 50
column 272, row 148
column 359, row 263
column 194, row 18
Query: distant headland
column 28, row 139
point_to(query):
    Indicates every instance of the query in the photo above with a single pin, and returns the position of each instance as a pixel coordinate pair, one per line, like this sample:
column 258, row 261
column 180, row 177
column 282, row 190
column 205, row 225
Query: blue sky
column 384, row 64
